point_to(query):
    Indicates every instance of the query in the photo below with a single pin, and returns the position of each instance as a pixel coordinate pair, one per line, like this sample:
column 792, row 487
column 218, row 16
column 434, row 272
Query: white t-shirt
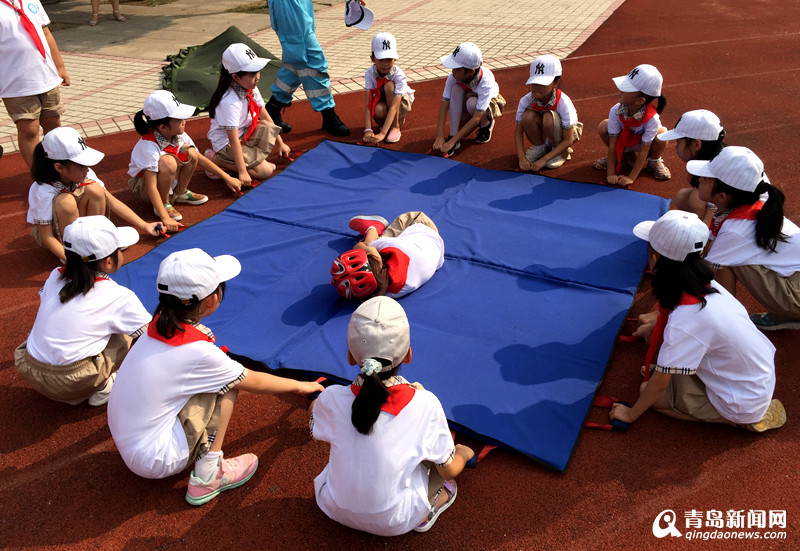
column 80, row 328
column 722, row 346
column 232, row 112
column 736, row 246
column 377, row 482
column 146, row 154
column 396, row 75
column 647, row 131
column 40, row 200
column 154, row 382
column 24, row 71
column 483, row 84
column 565, row 109
column 425, row 250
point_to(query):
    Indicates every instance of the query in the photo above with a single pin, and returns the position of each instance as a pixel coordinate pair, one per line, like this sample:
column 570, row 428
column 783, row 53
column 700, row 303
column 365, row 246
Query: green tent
column 193, row 73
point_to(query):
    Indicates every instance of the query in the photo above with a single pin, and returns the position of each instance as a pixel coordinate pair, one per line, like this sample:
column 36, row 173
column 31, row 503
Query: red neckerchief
column 397, row 267
column 188, row 335
column 626, row 137
column 658, row 330
column 536, row 107
column 467, row 87
column 399, row 397
column 29, row 27
column 103, row 277
column 255, row 110
column 69, row 189
column 173, row 149
column 375, row 94
column 744, row 212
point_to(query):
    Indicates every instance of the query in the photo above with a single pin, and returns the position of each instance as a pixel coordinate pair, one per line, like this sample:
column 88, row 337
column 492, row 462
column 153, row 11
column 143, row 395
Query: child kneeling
column 392, row 462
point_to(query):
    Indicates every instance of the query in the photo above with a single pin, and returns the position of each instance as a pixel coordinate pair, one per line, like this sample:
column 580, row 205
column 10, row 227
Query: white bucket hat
column 65, row 144
column 96, row 237
column 644, row 78
column 193, row 274
column 700, row 124
column 675, row 235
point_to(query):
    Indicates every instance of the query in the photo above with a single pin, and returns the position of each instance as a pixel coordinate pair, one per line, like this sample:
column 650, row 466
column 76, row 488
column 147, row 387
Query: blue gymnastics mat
column 513, row 334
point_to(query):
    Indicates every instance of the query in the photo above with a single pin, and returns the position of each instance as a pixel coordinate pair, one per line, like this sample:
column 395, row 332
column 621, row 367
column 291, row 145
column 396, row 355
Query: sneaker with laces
column 209, row 154
column 190, row 198
column 774, row 418
column 454, row 148
column 452, row 491
column 556, row 162
column 485, row 132
column 536, row 152
column 363, row 222
column 231, row 473
column 658, row 169
column 100, row 397
column 772, row 322
column 171, row 211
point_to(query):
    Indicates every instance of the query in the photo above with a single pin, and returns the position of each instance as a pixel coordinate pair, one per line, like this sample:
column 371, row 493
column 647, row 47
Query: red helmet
column 352, row 275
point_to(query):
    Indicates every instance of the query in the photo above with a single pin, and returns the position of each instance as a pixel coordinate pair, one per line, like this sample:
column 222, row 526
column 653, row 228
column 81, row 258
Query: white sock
column 206, row 467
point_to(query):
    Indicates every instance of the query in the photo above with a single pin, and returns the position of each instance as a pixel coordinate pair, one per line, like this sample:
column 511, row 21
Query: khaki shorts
column 435, row 482
column 495, row 104
column 779, row 295
column 136, row 183
column 686, row 394
column 408, row 219
column 256, row 149
column 76, row 382
column 35, row 107
column 54, row 224
column 405, row 107
column 558, row 130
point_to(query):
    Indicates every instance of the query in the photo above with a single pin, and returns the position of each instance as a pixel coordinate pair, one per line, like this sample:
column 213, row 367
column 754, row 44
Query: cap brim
column 88, row 157
column 183, row 111
column 126, row 236
column 450, row 62
column 700, row 168
column 642, row 229
column 255, row 64
column 624, row 84
column 673, row 134
column 227, row 266
column 542, row 80
column 366, row 22
column 386, row 54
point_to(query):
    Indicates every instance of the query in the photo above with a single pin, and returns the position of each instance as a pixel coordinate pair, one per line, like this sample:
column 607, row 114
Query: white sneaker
column 536, row 152
column 100, row 397
column 556, row 162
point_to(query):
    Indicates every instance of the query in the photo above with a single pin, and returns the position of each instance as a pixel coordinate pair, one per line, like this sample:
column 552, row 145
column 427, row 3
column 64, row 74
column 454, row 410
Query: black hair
column 672, row 278
column 557, row 82
column 373, row 394
column 708, row 150
column 43, row 169
column 769, row 220
column 662, row 101
column 79, row 275
column 173, row 312
column 145, row 124
column 223, row 84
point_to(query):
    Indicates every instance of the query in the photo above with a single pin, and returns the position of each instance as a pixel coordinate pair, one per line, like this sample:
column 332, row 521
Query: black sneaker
column 453, row 149
column 274, row 108
column 332, row 124
column 485, row 132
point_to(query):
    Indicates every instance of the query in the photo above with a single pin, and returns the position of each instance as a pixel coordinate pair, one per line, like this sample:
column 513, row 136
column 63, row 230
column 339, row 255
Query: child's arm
column 611, row 161
column 465, row 130
column 124, row 211
column 454, row 468
column 641, row 159
column 567, row 139
column 387, row 124
column 55, row 53
column 519, row 144
column 238, row 157
column 367, row 118
column 283, row 149
column 265, row 383
column 233, row 184
column 653, row 390
column 50, row 242
column 438, row 144
column 151, row 187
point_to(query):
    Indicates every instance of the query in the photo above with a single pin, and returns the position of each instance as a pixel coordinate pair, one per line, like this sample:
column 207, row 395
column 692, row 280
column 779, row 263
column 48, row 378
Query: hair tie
column 370, row 366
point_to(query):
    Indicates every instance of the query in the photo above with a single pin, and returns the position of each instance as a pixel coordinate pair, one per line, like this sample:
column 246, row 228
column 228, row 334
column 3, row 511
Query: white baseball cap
column 384, row 46
column 358, row 16
column 736, row 166
column 544, row 70
column 644, row 78
column 700, row 124
column 65, row 144
column 675, row 235
column 379, row 329
column 466, row 55
column 163, row 104
column 96, row 237
column 194, row 274
column 241, row 57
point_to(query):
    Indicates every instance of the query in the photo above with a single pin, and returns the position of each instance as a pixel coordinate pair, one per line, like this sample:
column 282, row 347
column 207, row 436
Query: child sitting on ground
column 65, row 188
column 163, row 161
column 752, row 241
column 86, row 321
column 714, row 365
column 391, row 260
column 242, row 133
column 632, row 126
column 389, row 97
column 547, row 117
column 392, row 463
column 175, row 393
column 471, row 94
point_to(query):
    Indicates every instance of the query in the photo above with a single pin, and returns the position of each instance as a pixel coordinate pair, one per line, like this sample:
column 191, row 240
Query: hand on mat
column 438, row 145
column 245, row 179
column 618, row 180
column 309, row 387
column 621, row 412
column 537, row 166
column 233, row 184
column 375, row 138
column 283, row 150
column 525, row 165
column 153, row 228
column 171, row 225
column 646, row 324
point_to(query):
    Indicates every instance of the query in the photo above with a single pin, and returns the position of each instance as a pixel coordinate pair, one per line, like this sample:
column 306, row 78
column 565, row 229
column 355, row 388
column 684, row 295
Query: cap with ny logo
column 66, row 144
column 384, row 46
column 241, row 57
column 544, row 70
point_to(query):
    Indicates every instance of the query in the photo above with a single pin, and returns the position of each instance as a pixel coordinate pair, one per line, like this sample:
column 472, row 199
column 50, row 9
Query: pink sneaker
column 362, row 223
column 209, row 154
column 230, row 474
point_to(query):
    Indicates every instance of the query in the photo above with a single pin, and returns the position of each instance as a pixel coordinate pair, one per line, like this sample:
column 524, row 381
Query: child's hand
column 621, row 412
column 152, row 228
column 378, row 138
column 646, row 324
column 309, row 387
column 437, row 145
column 538, row 165
column 245, row 179
column 171, row 225
column 369, row 136
column 284, row 150
column 525, row 165
column 233, row 184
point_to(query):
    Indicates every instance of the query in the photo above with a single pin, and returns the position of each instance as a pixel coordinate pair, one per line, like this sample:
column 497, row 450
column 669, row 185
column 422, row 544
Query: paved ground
column 114, row 65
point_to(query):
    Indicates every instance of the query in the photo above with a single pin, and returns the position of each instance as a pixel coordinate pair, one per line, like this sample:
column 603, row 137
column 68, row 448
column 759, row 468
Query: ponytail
column 769, row 220
column 145, row 125
column 372, row 395
column 662, row 101
column 672, row 278
column 79, row 276
column 173, row 313
column 222, row 86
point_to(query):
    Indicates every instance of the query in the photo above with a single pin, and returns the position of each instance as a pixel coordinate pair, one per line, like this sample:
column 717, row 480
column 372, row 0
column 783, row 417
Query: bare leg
column 27, row 138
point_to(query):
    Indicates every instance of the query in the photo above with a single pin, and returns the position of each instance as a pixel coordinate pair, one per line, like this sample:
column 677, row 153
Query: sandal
column 93, row 20
column 452, row 491
column 119, row 17
column 601, row 164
